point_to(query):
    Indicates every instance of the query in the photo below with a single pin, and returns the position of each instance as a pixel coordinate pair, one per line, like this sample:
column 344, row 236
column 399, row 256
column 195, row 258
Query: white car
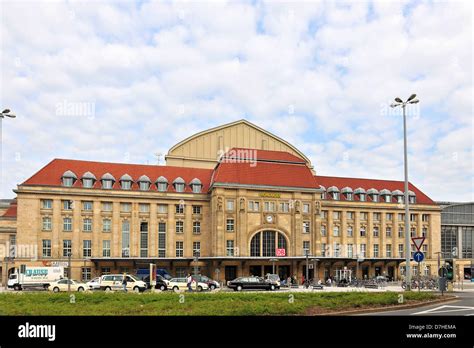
column 177, row 284
column 94, row 284
column 63, row 285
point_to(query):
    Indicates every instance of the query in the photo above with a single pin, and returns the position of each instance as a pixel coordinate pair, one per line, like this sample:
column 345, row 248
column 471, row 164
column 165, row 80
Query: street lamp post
column 399, row 102
column 69, row 272
column 306, row 253
column 273, row 265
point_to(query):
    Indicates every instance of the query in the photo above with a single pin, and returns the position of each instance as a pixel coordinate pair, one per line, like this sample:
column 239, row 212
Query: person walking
column 124, row 282
column 189, row 281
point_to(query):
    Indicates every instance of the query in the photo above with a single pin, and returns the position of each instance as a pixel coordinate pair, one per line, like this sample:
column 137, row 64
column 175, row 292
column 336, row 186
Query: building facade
column 233, row 200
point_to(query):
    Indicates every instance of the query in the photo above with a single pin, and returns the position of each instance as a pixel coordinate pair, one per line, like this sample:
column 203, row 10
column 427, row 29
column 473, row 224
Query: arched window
column 398, row 196
column 386, row 195
column 360, row 192
column 144, row 183
column 69, row 178
column 126, row 182
column 162, row 184
column 373, row 194
column 334, row 192
column 88, row 180
column 265, row 243
column 347, row 192
column 411, row 197
column 107, row 181
column 179, row 184
column 196, row 185
column 323, row 193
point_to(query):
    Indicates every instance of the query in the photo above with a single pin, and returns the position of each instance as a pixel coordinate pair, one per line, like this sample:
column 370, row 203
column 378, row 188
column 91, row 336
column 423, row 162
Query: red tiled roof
column 261, row 155
column 51, row 174
column 366, row 184
column 264, row 173
column 11, row 212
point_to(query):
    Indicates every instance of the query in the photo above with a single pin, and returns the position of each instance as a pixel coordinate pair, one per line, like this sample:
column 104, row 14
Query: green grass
column 241, row 304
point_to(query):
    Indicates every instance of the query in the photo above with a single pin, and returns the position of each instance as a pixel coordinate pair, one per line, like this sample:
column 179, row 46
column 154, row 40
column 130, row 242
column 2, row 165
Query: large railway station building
column 232, row 200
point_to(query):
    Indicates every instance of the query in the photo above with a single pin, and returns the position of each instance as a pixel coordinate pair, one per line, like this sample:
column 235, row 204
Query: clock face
column 269, row 218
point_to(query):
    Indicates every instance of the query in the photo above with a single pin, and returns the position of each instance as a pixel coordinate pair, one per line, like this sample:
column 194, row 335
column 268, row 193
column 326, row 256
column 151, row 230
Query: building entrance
column 230, row 273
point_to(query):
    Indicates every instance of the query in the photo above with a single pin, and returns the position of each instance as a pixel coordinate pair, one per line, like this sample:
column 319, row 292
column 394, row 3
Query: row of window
column 351, row 251
column 375, row 231
column 350, row 215
column 144, row 183
column 47, row 204
column 372, row 194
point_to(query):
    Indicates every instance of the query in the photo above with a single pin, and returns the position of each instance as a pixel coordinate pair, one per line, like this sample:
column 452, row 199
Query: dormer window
column 88, row 180
column 398, row 196
column 107, row 181
column 68, row 179
column 179, row 184
column 411, row 197
column 126, row 182
column 347, row 192
column 386, row 196
column 360, row 192
column 323, row 193
column 334, row 192
column 144, row 183
column 373, row 194
column 196, row 185
column 162, row 184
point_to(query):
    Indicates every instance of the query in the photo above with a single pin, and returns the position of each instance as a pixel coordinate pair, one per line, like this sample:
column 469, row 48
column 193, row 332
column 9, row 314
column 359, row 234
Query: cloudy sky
column 121, row 81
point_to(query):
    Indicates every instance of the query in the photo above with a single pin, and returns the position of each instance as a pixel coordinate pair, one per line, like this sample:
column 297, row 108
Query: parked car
column 176, row 284
column 94, row 284
column 273, row 277
column 111, row 282
column 242, row 283
column 63, row 284
column 212, row 284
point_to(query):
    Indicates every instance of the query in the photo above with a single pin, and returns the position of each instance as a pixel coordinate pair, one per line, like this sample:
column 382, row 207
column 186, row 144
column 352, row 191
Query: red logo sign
column 280, row 252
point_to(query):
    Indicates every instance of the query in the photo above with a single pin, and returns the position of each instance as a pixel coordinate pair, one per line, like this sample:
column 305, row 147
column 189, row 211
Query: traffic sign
column 418, row 241
column 418, row 256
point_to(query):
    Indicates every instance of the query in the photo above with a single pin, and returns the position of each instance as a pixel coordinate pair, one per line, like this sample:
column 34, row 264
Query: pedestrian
column 124, row 282
column 302, row 279
column 189, row 281
column 288, row 281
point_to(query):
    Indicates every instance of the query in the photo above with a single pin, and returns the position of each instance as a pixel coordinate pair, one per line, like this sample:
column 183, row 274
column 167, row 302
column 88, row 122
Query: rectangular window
column 47, row 225
column 336, row 215
column 179, row 249
column 284, row 207
column 230, row 247
column 162, row 186
column 106, row 225
column 197, row 209
column 376, row 250
column 306, row 227
column 125, row 238
column 196, row 249
column 389, row 216
column 86, row 248
column 87, row 205
column 323, row 231
column 400, row 232
column 67, row 204
column 46, row 204
column 126, row 185
column 144, row 208
column 363, row 216
column 335, row 231
column 230, row 205
column 87, row 225
column 376, row 216
column 362, row 231
column 86, row 274
column 269, row 206
column 196, row 227
column 105, row 270
column 162, row 208
column 323, row 249
column 46, row 247
column 179, row 226
column 388, row 250
column 376, row 231
column 67, row 247
column 425, row 249
column 401, row 217
column 143, row 239
column 324, row 214
column 306, row 247
column 413, row 217
column 306, row 208
column 425, row 217
column 388, row 231
column 107, row 206
column 254, row 206
column 162, row 239
column 106, row 248
column 424, row 232
column 349, row 231
column 350, row 250
column 363, row 250
column 400, row 250
column 125, row 207
column 179, row 208
column 412, row 232
column 67, row 224
column 350, row 215
column 230, row 225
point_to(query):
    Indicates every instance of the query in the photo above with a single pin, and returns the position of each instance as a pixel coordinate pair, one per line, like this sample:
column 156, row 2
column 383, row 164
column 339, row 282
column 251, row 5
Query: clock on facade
column 269, row 219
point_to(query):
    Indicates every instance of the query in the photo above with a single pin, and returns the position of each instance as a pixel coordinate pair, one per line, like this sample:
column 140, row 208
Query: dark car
column 212, row 284
column 242, row 283
column 161, row 283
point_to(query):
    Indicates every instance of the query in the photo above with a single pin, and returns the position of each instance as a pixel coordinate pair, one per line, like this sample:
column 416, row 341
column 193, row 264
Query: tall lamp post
column 3, row 114
column 273, row 264
column 306, row 253
column 403, row 104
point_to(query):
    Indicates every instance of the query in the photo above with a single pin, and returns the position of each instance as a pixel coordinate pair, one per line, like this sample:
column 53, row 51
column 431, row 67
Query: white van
column 111, row 282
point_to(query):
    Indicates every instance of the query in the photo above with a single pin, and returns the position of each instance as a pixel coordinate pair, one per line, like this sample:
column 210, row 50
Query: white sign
column 418, row 241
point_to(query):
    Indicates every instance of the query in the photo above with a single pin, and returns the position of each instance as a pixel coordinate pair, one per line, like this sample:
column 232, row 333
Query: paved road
column 462, row 306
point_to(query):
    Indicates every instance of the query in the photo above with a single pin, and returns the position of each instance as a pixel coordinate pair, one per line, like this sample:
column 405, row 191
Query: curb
column 391, row 308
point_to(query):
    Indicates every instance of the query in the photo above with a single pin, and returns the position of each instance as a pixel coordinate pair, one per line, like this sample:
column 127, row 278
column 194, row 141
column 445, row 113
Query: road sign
column 418, row 256
column 418, row 241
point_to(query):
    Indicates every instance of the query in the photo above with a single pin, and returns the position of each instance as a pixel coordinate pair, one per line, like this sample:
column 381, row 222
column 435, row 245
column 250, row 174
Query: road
column 462, row 306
